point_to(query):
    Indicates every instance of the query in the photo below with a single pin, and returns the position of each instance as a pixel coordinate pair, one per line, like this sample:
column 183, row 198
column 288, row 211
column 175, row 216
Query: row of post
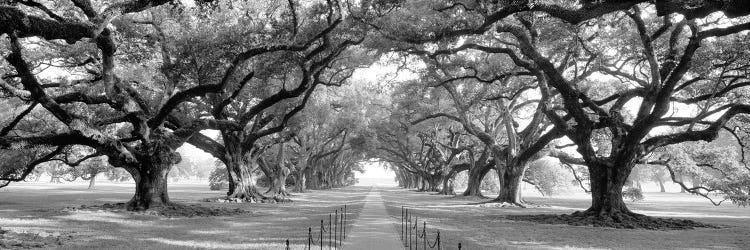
column 336, row 231
column 410, row 233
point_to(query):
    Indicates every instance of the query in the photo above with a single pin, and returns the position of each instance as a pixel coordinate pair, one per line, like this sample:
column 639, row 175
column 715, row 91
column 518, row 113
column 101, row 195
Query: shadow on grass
column 36, row 207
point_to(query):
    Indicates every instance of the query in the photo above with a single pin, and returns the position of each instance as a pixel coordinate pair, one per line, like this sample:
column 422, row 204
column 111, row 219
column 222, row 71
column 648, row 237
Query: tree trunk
column 511, row 178
column 278, row 174
column 400, row 178
column 433, row 182
column 449, row 179
column 448, row 186
column 230, row 180
column 278, row 183
column 661, row 184
column 92, row 181
column 422, row 184
column 476, row 175
column 244, row 183
column 312, row 179
column 413, row 181
column 405, row 180
column 300, row 182
column 606, row 190
column 150, row 186
column 679, row 178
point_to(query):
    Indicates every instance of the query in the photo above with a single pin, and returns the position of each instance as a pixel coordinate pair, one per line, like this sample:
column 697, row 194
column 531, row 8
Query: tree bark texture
column 476, row 175
column 606, row 189
column 511, row 178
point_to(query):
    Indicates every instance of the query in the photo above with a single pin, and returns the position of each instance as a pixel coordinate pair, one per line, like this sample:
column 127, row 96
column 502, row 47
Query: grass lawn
column 460, row 220
column 40, row 209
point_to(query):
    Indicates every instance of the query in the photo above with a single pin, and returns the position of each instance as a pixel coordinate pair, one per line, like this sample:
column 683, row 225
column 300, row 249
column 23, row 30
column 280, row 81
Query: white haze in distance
column 376, row 174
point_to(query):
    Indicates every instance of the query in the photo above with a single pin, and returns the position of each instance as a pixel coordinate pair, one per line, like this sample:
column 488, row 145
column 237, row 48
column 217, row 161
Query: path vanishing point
column 374, row 229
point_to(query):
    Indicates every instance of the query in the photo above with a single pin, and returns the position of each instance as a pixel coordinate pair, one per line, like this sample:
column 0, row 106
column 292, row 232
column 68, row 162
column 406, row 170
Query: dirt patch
column 171, row 211
column 24, row 240
column 634, row 221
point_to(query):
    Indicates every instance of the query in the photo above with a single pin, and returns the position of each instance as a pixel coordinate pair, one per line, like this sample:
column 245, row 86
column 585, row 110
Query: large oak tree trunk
column 150, row 175
column 232, row 184
column 150, row 187
column 313, row 179
column 300, row 182
column 401, row 178
column 606, row 190
column 405, row 180
column 448, row 182
column 421, row 184
column 448, row 188
column 511, row 178
column 244, row 183
column 278, row 183
column 433, row 182
column 413, row 181
column 476, row 175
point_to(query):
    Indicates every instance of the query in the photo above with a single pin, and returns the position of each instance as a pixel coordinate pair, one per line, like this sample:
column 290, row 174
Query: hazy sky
column 375, row 174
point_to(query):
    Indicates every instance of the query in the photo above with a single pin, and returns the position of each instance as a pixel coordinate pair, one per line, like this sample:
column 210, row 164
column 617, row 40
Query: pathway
column 374, row 229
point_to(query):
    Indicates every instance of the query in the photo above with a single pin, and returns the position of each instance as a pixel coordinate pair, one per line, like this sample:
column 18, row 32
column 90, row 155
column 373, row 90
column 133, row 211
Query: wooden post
column 341, row 236
column 438, row 239
column 416, row 233
column 424, row 235
column 402, row 224
column 407, row 236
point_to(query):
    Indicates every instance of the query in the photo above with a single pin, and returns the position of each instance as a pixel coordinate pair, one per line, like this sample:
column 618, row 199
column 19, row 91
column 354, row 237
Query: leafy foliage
column 633, row 194
column 217, row 179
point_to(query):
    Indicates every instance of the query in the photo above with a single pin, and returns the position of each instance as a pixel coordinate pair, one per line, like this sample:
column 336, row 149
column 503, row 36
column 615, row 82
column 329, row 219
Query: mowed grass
column 40, row 208
column 459, row 219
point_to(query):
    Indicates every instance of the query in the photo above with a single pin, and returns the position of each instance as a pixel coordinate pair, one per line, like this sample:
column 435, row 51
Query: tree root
column 279, row 196
column 136, row 206
column 624, row 219
column 499, row 203
column 255, row 197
